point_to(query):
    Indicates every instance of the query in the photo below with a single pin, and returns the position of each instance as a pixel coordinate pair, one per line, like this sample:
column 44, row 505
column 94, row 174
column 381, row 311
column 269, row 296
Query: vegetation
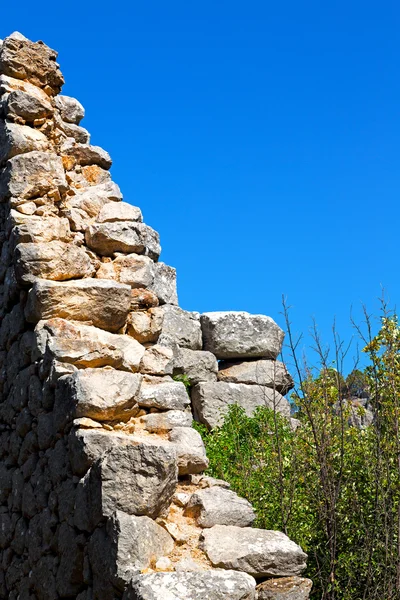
column 332, row 487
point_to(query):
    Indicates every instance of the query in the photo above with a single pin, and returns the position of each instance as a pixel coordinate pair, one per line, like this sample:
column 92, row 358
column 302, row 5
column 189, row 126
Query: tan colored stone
column 145, row 326
column 20, row 139
column 285, row 588
column 142, row 299
column 133, row 269
column 58, row 261
column 33, row 62
column 101, row 394
column 119, row 212
column 123, row 236
column 157, row 360
column 86, row 346
column 271, row 373
column 97, row 302
column 38, row 229
column 9, row 85
column 32, row 175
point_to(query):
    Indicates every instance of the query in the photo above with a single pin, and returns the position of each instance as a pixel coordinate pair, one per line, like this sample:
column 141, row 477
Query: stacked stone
column 101, row 488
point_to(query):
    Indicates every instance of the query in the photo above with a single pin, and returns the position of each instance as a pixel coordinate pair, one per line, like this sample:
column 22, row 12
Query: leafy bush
column 333, row 488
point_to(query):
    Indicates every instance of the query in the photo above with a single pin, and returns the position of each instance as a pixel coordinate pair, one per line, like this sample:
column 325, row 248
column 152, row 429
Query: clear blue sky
column 261, row 139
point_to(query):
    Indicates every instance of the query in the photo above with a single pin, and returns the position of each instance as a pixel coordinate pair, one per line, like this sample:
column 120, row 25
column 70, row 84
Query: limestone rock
column 163, row 393
column 164, row 284
column 86, row 155
column 285, row 588
column 142, row 299
column 27, row 106
column 157, row 360
column 190, row 450
column 20, row 139
column 102, row 394
column 165, row 421
column 121, row 211
column 271, row 373
column 89, row 201
column 259, row 552
column 38, row 229
column 241, row 335
column 32, row 174
column 135, row 270
column 123, row 236
column 197, row 365
column 207, row 585
column 139, row 480
column 79, row 134
column 130, row 544
column 97, row 302
column 86, row 346
column 70, row 109
column 34, row 62
column 58, row 261
column 211, row 400
column 86, row 446
column 219, row 506
column 145, row 326
column 180, row 327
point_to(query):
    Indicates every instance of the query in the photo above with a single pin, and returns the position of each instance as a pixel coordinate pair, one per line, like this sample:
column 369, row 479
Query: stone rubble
column 102, row 487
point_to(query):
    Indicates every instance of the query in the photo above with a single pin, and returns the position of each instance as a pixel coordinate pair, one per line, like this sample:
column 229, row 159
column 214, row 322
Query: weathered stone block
column 101, row 394
column 210, row 585
column 164, row 284
column 128, row 545
column 211, row 400
column 33, row 62
column 241, row 335
column 163, row 393
column 121, row 211
column 271, row 373
column 85, row 155
column 97, row 302
column 27, row 106
column 32, row 175
column 165, row 421
column 197, row 365
column 86, row 346
column 285, row 588
column 85, row 446
column 139, row 480
column 180, row 327
column 259, row 552
column 70, row 109
column 157, row 360
column 58, row 261
column 145, row 326
column 190, row 450
column 123, row 236
column 219, row 506
column 19, row 139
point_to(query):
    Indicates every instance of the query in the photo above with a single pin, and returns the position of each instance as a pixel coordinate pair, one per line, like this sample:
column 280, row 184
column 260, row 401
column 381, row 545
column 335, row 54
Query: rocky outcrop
column 102, row 492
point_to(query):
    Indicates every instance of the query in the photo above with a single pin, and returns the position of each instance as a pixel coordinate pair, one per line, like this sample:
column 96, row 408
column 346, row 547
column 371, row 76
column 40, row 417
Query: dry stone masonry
column 102, row 488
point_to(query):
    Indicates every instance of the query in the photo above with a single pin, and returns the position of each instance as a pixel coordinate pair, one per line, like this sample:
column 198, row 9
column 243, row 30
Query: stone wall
column 102, row 492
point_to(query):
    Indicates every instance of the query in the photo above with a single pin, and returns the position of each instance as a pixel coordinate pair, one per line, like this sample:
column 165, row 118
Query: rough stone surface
column 190, row 450
column 219, row 506
column 119, row 211
column 128, row 545
column 32, row 175
column 28, row 106
column 180, row 327
column 97, row 302
column 33, row 62
column 163, row 393
column 157, row 360
column 259, row 552
column 102, row 394
column 58, row 261
column 139, row 480
column 133, row 269
column 86, row 346
column 241, row 335
column 211, row 400
column 165, row 421
column 123, row 236
column 19, row 139
column 145, row 326
column 70, row 109
column 164, row 284
column 85, row 155
column 271, row 373
column 197, row 365
column 209, row 585
column 85, row 446
column 285, row 588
